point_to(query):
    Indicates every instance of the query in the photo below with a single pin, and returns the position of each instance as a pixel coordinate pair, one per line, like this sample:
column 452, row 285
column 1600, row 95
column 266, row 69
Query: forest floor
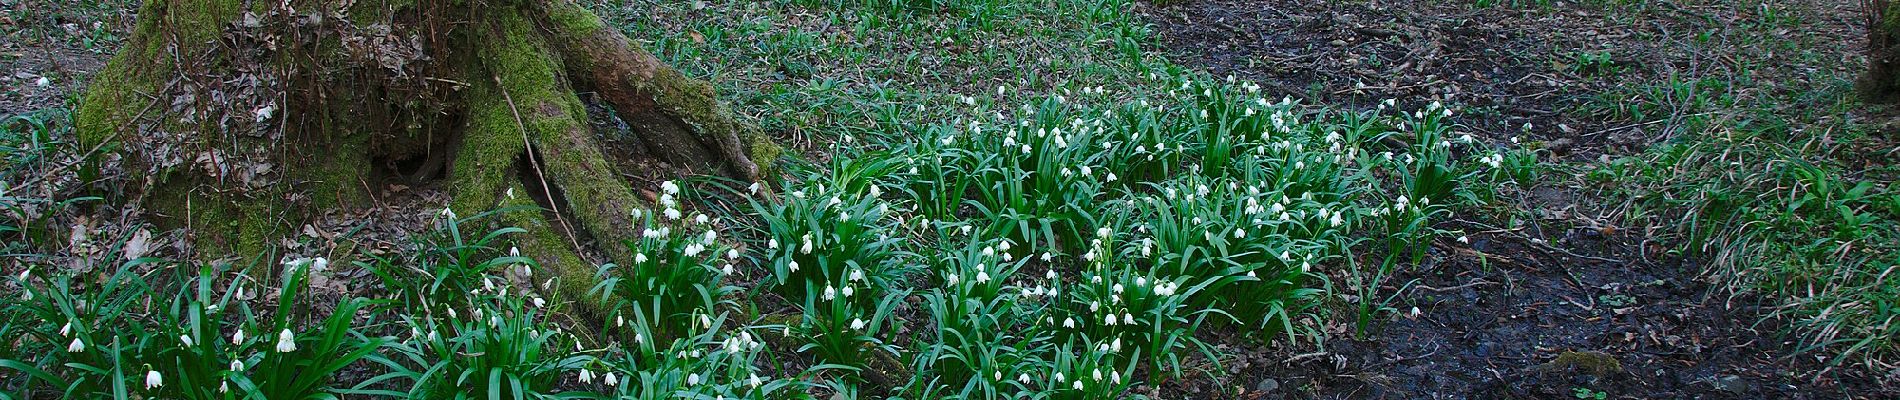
column 1562, row 289
column 1516, row 312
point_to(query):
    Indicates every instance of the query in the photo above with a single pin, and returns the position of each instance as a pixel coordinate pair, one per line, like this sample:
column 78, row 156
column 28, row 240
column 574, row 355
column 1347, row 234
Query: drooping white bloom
column 185, row 339
column 792, row 265
column 153, row 379
column 586, row 376
column 1068, row 322
column 286, row 342
column 982, row 277
column 611, row 380
column 847, row 291
column 669, row 187
column 66, row 330
column 857, row 324
column 692, row 379
column 76, row 346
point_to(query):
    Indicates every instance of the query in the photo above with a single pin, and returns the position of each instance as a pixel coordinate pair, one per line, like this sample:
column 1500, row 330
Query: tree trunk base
column 247, row 118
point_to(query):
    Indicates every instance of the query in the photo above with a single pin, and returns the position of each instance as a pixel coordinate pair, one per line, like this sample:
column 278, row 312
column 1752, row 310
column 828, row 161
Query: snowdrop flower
column 66, row 330
column 1464, row 239
column 692, row 379
column 237, row 337
column 1109, row 320
column 807, row 246
column 611, row 380
column 1078, row 382
column 76, row 346
column 1066, row 323
column 754, row 380
column 153, row 379
column 1059, row 377
column 669, row 187
column 185, row 339
column 857, row 324
column 286, row 342
column 672, row 213
column 982, row 277
column 586, row 377
column 847, row 291
column 830, row 292
column 1097, row 374
column 1023, row 378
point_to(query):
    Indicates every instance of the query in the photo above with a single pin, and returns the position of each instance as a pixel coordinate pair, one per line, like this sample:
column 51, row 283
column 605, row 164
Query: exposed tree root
column 331, row 72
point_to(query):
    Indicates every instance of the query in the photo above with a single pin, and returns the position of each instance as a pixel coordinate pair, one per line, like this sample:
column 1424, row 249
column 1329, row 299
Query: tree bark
column 1881, row 83
column 243, row 119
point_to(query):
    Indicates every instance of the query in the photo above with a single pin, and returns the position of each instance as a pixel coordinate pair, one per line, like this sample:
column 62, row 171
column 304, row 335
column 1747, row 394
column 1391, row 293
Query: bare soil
column 1537, row 311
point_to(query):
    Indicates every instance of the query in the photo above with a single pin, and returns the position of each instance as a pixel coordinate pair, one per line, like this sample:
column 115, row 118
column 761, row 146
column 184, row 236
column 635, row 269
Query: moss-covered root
column 680, row 118
column 524, row 110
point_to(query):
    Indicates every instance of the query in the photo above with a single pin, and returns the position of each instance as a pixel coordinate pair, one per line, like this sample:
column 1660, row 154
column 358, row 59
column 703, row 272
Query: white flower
column 239, row 366
column 1097, row 374
column 692, row 379
column 669, row 187
column 857, row 275
column 153, row 379
column 806, row 248
column 1078, row 382
column 66, row 330
column 847, row 291
column 1024, row 378
column 792, row 265
column 844, row 216
column 672, row 213
column 830, row 292
column 1068, row 322
column 732, row 254
column 587, row 376
column 1464, row 239
column 857, row 324
column 1109, row 320
column 76, row 346
column 612, row 380
column 286, row 342
column 185, row 339
column 224, row 387
column 700, row 218
column 1059, row 377
column 982, row 277
column 639, row 258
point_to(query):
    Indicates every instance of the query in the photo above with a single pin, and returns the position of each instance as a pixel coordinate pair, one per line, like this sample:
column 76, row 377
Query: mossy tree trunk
column 1881, row 83
column 244, row 118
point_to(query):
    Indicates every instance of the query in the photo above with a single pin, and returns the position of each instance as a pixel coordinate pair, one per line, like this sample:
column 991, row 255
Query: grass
column 997, row 199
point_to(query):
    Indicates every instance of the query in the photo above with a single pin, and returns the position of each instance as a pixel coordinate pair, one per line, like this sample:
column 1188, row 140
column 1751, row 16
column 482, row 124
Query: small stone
column 1339, row 42
column 1267, row 386
column 1730, row 383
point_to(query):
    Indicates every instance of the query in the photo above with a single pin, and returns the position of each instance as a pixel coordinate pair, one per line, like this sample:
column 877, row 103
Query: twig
column 535, row 162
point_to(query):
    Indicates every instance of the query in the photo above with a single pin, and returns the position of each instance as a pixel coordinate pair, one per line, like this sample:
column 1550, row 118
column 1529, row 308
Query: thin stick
column 535, row 162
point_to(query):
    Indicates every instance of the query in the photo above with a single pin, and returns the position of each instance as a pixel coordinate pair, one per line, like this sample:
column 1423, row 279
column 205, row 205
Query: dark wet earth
column 1547, row 311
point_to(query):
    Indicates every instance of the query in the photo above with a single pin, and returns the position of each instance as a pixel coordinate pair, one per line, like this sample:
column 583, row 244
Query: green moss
column 544, row 243
column 1589, row 362
column 574, row 19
